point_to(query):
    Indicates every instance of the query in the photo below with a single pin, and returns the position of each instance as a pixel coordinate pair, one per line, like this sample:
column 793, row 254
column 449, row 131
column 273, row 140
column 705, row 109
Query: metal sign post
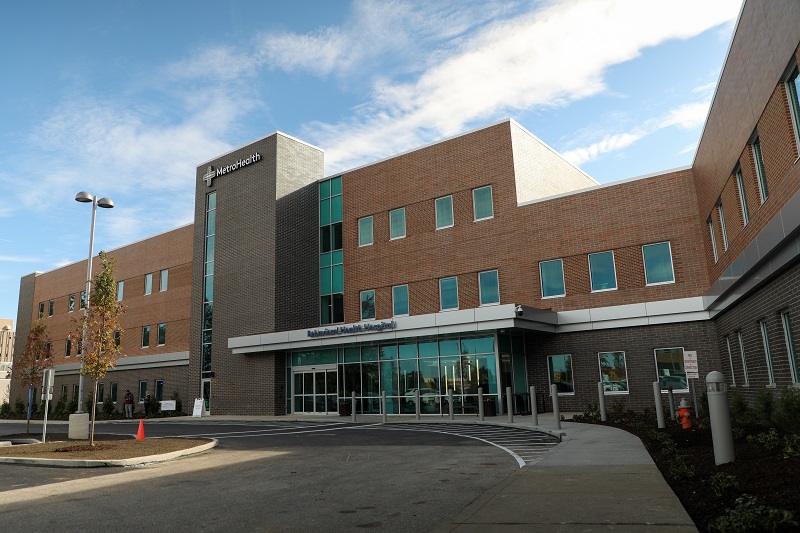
column 47, row 395
column 691, row 367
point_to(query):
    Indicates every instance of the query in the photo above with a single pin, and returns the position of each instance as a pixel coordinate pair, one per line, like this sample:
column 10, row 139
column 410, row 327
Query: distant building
column 6, row 356
column 484, row 260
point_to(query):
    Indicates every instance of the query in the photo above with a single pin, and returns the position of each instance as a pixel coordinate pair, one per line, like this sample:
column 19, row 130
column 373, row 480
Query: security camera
column 518, row 310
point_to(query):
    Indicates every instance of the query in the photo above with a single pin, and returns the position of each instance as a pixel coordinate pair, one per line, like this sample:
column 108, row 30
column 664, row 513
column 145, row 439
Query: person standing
column 146, row 402
column 128, row 404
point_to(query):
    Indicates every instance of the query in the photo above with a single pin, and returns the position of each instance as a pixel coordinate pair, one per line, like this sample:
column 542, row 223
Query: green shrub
column 72, row 406
column 19, row 408
column 765, row 407
column 681, row 467
column 787, row 410
column 723, row 484
column 109, row 407
column 59, row 407
column 791, row 446
column 739, row 433
column 702, row 409
column 750, row 514
column 591, row 414
column 87, row 403
column 740, row 409
column 5, row 410
column 768, row 440
column 178, row 403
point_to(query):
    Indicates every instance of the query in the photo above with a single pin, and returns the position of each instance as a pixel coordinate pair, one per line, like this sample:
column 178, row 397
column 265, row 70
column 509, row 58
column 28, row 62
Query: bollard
column 353, row 401
column 450, row 404
column 509, row 404
column 601, row 395
column 556, row 412
column 671, row 400
column 480, row 404
column 659, row 405
column 418, row 407
column 720, row 415
column 534, row 407
column 383, row 406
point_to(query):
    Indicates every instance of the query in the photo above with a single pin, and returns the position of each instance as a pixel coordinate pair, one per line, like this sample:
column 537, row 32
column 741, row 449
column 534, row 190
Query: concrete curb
column 94, row 463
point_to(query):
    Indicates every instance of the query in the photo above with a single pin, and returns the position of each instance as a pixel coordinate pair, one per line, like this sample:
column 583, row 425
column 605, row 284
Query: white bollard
column 534, row 407
column 556, row 412
column 510, row 405
column 383, row 406
column 720, row 415
column 353, row 403
column 481, row 414
column 659, row 405
column 601, row 395
column 450, row 406
column 417, row 407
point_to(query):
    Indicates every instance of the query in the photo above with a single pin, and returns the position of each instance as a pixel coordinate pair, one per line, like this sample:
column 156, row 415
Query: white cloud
column 14, row 259
column 610, row 143
column 687, row 116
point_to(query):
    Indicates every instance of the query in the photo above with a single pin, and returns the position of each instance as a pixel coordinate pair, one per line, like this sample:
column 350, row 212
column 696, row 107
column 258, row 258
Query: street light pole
column 108, row 203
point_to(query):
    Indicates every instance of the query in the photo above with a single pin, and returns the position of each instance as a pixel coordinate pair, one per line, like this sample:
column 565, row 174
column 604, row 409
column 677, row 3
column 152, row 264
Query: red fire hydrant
column 685, row 414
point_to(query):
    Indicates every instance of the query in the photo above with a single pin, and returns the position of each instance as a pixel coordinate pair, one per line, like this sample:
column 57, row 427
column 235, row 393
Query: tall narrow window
column 397, row 223
column 551, row 274
column 713, row 239
column 658, row 263
column 145, row 336
column 101, row 389
column 602, row 271
column 793, row 91
column 83, row 300
column 71, row 303
column 744, row 359
column 730, row 360
column 367, row 305
column 50, row 307
column 164, row 281
column 489, row 287
column 41, row 309
column 722, row 226
column 448, row 293
column 159, row 389
column 767, row 351
column 68, row 348
column 365, row 231
column 670, row 369
column 162, row 334
column 482, row 205
column 761, row 174
column 207, row 334
column 613, row 372
column 148, row 283
column 560, row 367
column 120, row 290
column 400, row 300
column 742, row 197
column 444, row 212
column 790, row 350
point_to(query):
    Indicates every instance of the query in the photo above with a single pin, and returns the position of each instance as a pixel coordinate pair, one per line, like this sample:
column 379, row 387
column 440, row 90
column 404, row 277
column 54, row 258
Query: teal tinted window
column 602, row 272
column 324, row 212
column 314, row 357
column 336, row 209
column 337, row 257
column 212, row 201
column 389, row 351
column 444, row 212
column 325, row 280
column 552, row 277
column 352, row 355
column 336, row 185
column 369, row 353
column 210, row 248
column 365, row 231
column 400, row 300
column 337, row 278
column 488, row 284
column 477, row 345
column 658, row 263
column 482, row 203
column 448, row 293
column 449, row 347
column 367, row 305
column 428, row 349
column 211, row 223
column 325, row 189
column 325, row 260
column 408, row 351
column 397, row 223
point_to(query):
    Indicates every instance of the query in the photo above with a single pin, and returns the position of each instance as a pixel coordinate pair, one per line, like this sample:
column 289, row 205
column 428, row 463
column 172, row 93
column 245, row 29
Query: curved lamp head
column 108, row 203
column 83, row 197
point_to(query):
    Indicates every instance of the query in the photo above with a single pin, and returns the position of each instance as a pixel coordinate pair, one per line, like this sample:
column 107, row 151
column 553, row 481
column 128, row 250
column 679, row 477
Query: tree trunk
column 94, row 410
column 30, row 407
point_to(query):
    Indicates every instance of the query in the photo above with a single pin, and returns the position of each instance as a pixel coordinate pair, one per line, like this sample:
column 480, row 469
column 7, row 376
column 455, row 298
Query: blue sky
column 125, row 99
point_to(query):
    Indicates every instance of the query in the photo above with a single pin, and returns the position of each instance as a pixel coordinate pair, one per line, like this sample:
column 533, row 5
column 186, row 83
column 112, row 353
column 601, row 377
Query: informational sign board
column 168, row 405
column 690, row 365
column 198, row 407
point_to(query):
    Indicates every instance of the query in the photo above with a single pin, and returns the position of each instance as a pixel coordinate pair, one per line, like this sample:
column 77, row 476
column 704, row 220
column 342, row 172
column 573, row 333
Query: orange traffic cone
column 140, row 434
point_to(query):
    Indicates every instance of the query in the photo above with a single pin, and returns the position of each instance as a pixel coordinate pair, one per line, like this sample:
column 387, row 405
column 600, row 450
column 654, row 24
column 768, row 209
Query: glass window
column 489, row 287
column 68, row 348
column 83, row 300
column 142, row 390
column 551, row 274
column 767, row 351
column 744, row 359
column 602, row 272
column 560, row 367
column 400, row 300
column 51, row 305
column 159, row 389
column 162, row 334
column 722, row 226
column 113, row 391
column 658, row 263
column 397, row 223
column 367, row 305
column 793, row 91
column 444, row 212
column 117, row 338
column 71, row 303
column 101, row 389
column 482, row 203
column 164, row 281
column 148, row 283
column 365, row 231
column 761, row 174
column 120, row 290
column 448, row 293
column 670, row 370
column 613, row 372
column 713, row 239
column 787, row 334
column 730, row 360
column 41, row 309
column 145, row 336
column 742, row 197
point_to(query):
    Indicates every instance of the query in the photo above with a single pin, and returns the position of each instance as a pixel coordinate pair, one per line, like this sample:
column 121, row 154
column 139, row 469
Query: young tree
column 97, row 330
column 33, row 361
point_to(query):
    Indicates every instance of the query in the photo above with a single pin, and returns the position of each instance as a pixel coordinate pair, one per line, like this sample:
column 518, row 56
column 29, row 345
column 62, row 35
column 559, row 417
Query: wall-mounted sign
column 367, row 327
column 213, row 172
column 690, row 365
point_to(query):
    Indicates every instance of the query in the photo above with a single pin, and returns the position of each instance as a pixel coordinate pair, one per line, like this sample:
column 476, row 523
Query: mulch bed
column 106, row 447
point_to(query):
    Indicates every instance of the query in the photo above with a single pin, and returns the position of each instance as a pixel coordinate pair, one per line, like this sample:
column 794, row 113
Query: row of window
column 114, row 388
column 793, row 92
column 670, row 371
column 148, row 289
column 482, row 209
column 788, row 338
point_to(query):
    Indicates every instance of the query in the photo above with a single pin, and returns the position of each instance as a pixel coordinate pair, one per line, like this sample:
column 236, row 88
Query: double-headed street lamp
column 107, row 203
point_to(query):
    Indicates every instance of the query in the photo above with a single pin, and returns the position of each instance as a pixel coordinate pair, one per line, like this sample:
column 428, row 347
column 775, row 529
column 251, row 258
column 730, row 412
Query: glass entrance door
column 206, row 397
column 314, row 391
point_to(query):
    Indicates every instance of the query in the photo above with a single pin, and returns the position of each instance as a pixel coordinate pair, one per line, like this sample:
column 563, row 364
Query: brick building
column 483, row 260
